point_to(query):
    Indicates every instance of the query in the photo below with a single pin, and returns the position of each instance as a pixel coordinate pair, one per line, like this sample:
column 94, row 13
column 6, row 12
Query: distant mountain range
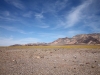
column 79, row 39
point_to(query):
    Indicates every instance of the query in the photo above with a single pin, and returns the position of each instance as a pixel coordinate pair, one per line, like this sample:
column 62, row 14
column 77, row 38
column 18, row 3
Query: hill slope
column 79, row 39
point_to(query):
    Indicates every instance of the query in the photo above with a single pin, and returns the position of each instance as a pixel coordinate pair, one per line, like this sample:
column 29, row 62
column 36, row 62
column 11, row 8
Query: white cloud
column 60, row 4
column 5, row 13
column 39, row 16
column 29, row 14
column 7, row 18
column 16, row 3
column 74, row 16
column 91, row 19
column 72, row 33
column 94, row 26
column 15, row 29
column 54, row 7
column 52, row 35
column 44, row 26
column 12, row 41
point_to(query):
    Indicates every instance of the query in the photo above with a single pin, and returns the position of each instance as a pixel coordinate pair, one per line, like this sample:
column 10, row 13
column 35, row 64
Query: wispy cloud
column 15, row 29
column 60, row 4
column 52, row 35
column 74, row 16
column 5, row 13
column 11, row 41
column 55, row 7
column 94, row 26
column 43, row 26
column 39, row 15
column 28, row 14
column 72, row 33
column 7, row 18
column 91, row 18
column 16, row 3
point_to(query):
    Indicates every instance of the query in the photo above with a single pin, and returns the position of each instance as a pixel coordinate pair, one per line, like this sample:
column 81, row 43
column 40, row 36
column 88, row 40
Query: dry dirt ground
column 49, row 61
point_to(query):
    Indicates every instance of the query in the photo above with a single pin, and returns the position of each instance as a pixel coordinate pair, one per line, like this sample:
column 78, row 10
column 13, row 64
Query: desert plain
column 50, row 60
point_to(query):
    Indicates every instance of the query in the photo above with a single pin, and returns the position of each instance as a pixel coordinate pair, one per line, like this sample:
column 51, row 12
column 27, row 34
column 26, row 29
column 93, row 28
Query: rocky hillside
column 79, row 39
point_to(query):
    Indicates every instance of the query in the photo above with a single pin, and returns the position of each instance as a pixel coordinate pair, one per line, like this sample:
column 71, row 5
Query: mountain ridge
column 93, row 38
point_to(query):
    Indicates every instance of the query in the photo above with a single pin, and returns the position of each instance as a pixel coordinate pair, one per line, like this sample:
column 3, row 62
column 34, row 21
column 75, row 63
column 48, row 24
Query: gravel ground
column 55, row 61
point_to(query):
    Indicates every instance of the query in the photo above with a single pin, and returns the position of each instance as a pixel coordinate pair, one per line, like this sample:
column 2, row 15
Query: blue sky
column 29, row 21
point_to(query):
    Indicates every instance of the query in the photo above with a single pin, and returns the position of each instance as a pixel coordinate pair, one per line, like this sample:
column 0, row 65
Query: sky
column 32, row 21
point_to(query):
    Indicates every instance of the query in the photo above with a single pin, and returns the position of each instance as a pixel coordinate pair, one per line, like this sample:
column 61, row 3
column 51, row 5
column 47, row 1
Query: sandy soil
column 56, row 61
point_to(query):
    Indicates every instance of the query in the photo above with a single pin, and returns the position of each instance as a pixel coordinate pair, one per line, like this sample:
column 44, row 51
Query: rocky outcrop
column 79, row 39
column 16, row 45
column 36, row 44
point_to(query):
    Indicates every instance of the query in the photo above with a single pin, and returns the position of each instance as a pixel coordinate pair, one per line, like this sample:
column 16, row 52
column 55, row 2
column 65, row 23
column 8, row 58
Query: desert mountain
column 79, row 39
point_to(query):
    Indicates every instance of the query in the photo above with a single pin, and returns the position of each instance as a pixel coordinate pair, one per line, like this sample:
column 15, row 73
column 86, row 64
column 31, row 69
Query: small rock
column 99, row 65
column 38, row 57
column 87, row 63
column 92, row 67
column 13, row 60
column 42, row 56
column 81, row 64
column 95, row 61
column 74, row 57
column 74, row 68
column 50, row 52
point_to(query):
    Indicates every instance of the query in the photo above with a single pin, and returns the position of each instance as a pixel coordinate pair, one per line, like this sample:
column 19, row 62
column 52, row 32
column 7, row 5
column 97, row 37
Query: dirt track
column 50, row 61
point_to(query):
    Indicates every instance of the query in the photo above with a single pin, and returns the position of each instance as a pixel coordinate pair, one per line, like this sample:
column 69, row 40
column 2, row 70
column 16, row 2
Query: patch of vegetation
column 65, row 47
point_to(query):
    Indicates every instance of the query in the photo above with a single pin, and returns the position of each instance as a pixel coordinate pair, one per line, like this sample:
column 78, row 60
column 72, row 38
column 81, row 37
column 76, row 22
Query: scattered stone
column 74, row 68
column 95, row 61
column 38, row 57
column 92, row 67
column 50, row 52
column 13, row 60
column 42, row 56
column 81, row 64
column 99, row 65
column 74, row 57
column 93, row 52
column 87, row 63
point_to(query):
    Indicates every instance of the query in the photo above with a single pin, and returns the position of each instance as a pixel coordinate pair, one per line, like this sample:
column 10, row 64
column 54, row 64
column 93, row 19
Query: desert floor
column 49, row 61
